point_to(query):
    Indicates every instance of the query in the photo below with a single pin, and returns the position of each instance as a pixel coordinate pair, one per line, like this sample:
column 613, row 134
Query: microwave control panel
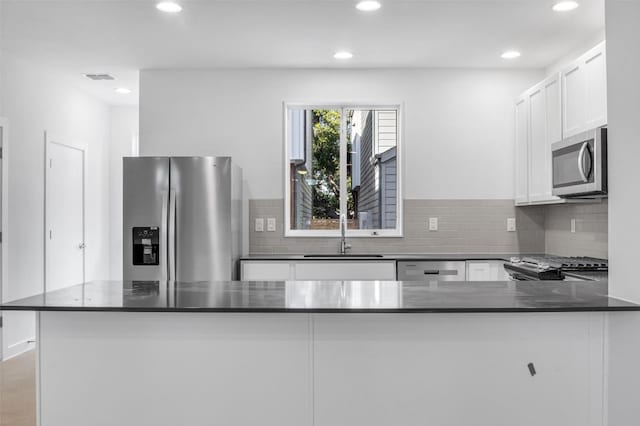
column 146, row 245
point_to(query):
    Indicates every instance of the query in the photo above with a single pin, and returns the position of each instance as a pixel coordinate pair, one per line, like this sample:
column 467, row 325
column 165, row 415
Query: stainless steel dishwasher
column 431, row 271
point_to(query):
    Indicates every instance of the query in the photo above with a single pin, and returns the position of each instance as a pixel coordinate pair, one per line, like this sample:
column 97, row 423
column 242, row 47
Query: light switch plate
column 511, row 224
column 433, row 224
column 573, row 225
column 271, row 224
column 259, row 224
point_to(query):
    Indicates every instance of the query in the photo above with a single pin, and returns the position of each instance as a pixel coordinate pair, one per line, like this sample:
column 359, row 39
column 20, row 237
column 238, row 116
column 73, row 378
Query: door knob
column 81, row 245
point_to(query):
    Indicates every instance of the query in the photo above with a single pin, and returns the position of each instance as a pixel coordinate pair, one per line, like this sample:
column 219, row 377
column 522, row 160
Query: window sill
column 336, row 234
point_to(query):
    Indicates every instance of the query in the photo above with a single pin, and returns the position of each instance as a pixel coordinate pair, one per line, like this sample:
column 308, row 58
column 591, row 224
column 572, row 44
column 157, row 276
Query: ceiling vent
column 98, row 77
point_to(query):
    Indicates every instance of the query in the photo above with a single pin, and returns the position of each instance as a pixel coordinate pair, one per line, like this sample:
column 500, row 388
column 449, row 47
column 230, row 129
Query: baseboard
column 19, row 348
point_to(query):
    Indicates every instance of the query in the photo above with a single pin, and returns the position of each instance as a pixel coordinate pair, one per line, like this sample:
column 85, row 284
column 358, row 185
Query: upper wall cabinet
column 545, row 128
column 538, row 125
column 561, row 106
column 585, row 92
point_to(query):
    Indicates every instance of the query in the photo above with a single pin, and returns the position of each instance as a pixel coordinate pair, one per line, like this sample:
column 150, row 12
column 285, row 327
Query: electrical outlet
column 259, row 224
column 433, row 224
column 511, row 224
column 573, row 225
column 271, row 224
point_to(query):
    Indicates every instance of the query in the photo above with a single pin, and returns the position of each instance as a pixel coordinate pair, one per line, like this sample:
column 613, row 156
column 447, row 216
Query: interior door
column 201, row 213
column 65, row 246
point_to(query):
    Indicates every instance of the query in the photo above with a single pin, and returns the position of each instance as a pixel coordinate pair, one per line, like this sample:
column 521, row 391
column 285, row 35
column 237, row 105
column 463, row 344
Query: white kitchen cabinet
column 584, row 84
column 346, row 270
column 266, row 270
column 522, row 151
column 560, row 106
column 276, row 270
column 538, row 125
column 486, row 270
column 545, row 128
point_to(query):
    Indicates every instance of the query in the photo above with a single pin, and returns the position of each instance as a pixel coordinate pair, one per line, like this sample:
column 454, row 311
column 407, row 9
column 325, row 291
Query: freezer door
column 200, row 219
column 145, row 212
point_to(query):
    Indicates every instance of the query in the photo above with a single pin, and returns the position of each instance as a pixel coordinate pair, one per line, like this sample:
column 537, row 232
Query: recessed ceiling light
column 510, row 54
column 123, row 90
column 169, row 7
column 565, row 6
column 368, row 5
column 343, row 54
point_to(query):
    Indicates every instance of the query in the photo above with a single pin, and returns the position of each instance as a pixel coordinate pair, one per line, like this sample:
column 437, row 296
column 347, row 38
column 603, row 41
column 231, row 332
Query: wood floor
column 18, row 391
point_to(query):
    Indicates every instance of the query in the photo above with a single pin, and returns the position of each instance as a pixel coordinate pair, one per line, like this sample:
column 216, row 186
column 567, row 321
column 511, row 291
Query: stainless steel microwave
column 580, row 165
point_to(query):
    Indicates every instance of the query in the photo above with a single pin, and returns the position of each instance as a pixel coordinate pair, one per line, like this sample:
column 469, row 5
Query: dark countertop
column 396, row 257
column 328, row 297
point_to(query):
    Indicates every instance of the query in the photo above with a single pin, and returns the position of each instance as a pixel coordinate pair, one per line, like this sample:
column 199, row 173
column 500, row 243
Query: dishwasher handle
column 431, row 271
column 441, row 272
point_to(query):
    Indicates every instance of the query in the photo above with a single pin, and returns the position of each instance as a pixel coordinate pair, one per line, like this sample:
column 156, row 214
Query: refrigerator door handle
column 172, row 235
column 164, row 236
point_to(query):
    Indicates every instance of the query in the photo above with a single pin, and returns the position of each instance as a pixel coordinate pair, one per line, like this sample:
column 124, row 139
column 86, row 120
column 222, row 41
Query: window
column 342, row 160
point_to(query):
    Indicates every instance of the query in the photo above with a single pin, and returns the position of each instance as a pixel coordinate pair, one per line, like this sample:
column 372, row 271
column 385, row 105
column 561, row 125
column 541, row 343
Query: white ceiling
column 122, row 37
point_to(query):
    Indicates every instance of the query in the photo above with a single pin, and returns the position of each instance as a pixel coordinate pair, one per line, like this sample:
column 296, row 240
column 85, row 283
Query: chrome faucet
column 344, row 246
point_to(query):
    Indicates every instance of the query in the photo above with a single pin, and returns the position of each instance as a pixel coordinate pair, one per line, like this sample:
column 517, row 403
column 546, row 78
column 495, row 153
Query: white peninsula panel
column 321, row 369
column 159, row 369
column 458, row 370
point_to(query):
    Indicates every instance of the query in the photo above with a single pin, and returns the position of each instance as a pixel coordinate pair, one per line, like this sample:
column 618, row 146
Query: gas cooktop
column 552, row 267
column 569, row 263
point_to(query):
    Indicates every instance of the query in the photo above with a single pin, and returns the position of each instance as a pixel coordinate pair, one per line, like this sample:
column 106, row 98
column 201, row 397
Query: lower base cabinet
column 266, row 270
column 483, row 270
column 285, row 270
column 311, row 270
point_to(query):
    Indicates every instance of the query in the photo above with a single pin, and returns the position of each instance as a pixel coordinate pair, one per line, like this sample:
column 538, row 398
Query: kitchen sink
column 343, row 255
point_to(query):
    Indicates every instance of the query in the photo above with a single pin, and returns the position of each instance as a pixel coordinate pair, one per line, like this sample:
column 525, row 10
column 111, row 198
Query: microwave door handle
column 583, row 151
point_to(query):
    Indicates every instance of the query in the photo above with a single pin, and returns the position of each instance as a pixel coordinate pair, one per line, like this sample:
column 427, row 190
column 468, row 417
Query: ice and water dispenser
column 146, row 245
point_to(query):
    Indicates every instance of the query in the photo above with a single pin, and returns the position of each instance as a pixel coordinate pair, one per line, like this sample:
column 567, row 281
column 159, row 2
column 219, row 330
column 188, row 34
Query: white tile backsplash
column 464, row 226
column 591, row 230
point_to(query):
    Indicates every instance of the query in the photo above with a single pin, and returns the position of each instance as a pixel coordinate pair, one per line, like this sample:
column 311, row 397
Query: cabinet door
column 545, row 128
column 595, row 64
column 522, row 151
column 585, row 92
column 491, row 270
column 575, row 99
column 265, row 270
column 345, row 270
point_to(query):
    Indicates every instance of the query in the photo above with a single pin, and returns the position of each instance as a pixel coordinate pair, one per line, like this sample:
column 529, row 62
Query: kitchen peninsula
column 322, row 353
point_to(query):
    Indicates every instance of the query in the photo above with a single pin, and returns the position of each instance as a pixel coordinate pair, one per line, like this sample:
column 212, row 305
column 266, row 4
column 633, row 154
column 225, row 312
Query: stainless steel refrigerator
column 182, row 218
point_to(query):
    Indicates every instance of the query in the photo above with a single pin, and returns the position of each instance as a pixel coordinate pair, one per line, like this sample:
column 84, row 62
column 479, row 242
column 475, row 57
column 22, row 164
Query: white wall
column 458, row 133
column 623, row 68
column 123, row 142
column 35, row 101
column 579, row 50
